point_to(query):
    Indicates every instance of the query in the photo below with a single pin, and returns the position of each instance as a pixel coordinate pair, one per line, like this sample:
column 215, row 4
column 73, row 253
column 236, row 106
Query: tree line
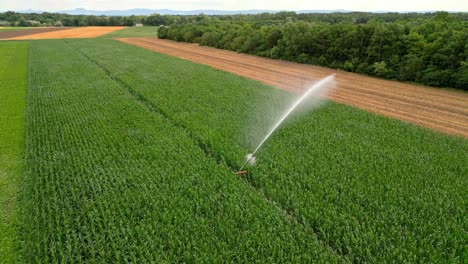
column 11, row 18
column 14, row 19
column 430, row 49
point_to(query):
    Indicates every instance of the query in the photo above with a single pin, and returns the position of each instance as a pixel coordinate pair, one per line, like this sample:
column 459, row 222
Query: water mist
column 315, row 92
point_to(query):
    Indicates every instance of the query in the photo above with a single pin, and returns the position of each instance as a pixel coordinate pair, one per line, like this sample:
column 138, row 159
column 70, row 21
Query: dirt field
column 78, row 32
column 24, row 32
column 438, row 109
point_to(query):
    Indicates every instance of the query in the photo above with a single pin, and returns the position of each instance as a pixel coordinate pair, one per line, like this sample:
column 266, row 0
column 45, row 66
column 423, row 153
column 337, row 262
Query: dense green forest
column 430, row 49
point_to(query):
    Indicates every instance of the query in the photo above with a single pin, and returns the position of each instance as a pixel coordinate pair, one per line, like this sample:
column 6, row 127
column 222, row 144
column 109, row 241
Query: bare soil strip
column 78, row 32
column 438, row 109
column 25, row 32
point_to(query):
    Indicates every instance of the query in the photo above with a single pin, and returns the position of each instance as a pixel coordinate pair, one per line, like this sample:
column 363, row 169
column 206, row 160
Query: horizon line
column 239, row 10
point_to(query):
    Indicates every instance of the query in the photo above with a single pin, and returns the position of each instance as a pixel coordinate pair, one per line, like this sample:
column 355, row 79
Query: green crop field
column 129, row 157
column 2, row 29
column 365, row 189
column 13, row 82
column 133, row 32
column 110, row 180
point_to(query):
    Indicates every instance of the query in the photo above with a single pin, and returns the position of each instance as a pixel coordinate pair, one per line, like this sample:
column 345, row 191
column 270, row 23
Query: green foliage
column 461, row 76
column 13, row 82
column 427, row 48
column 131, row 32
column 373, row 189
column 209, row 39
column 56, row 19
column 110, row 179
column 158, row 20
column 380, row 68
column 22, row 23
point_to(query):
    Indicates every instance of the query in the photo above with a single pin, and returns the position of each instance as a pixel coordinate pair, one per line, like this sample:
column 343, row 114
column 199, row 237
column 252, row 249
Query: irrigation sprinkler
column 317, row 89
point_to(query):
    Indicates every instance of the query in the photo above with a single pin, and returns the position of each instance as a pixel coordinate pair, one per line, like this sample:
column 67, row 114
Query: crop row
column 373, row 189
column 13, row 81
column 109, row 180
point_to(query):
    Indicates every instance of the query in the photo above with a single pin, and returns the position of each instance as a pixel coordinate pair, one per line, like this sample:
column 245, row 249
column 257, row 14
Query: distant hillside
column 142, row 11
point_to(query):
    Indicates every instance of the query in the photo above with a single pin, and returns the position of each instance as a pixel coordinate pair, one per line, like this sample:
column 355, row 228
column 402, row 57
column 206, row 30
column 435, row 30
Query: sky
column 294, row 5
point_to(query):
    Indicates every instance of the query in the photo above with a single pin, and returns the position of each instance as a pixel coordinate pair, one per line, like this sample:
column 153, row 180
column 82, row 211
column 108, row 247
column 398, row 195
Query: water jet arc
column 317, row 88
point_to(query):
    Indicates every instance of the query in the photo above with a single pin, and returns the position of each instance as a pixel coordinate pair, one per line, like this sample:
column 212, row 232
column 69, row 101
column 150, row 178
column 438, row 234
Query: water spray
column 317, row 89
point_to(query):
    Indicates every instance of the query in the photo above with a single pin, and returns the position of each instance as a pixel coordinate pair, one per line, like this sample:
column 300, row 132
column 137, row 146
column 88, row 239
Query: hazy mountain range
column 142, row 11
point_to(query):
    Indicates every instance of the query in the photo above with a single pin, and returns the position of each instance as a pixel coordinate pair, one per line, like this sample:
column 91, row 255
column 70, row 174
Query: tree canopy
column 429, row 48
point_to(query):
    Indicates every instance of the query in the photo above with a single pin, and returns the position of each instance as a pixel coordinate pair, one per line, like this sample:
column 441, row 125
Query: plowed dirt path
column 79, row 32
column 441, row 110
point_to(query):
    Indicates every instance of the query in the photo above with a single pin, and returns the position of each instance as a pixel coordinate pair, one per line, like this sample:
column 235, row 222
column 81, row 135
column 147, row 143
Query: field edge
column 13, row 91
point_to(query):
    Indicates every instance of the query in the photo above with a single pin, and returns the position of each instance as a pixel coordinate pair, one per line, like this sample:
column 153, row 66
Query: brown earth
column 24, row 32
column 438, row 109
column 78, row 32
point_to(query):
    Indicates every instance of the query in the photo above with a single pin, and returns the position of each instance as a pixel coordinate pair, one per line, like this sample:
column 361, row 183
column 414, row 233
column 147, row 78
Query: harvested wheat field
column 80, row 32
column 438, row 109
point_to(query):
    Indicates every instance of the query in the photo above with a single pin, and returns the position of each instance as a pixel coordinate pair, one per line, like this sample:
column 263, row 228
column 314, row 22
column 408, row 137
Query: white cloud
column 358, row 5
